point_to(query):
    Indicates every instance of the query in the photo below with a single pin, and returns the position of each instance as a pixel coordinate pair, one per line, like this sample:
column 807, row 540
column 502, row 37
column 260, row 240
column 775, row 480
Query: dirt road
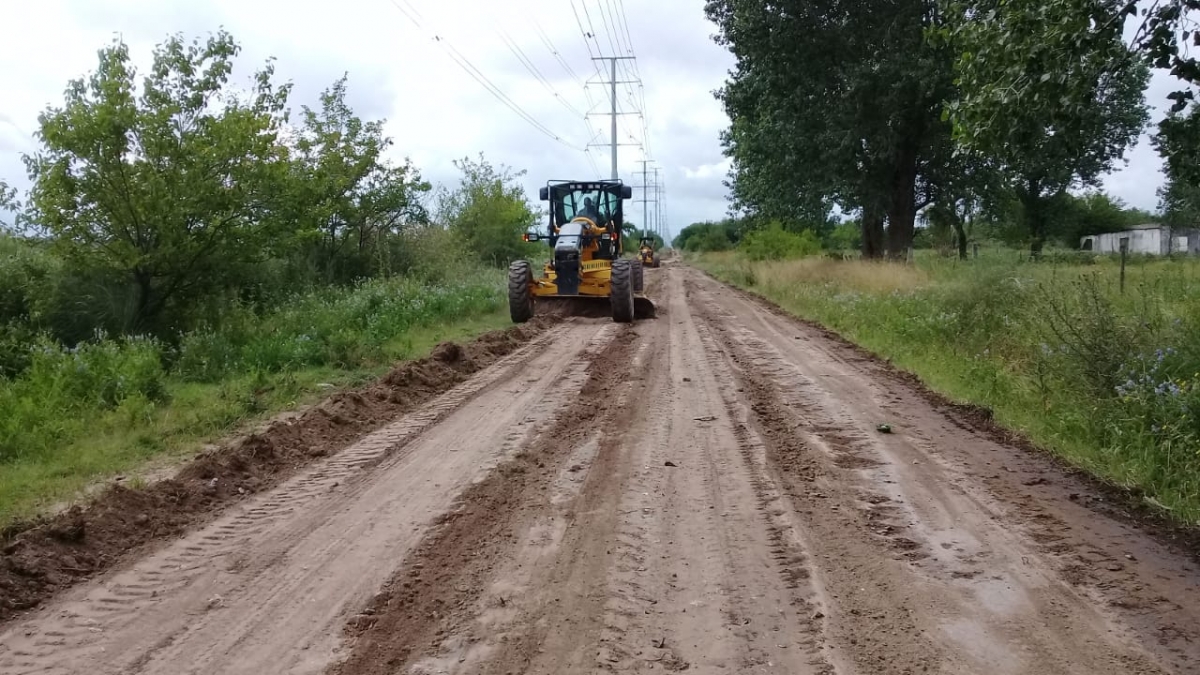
column 704, row 492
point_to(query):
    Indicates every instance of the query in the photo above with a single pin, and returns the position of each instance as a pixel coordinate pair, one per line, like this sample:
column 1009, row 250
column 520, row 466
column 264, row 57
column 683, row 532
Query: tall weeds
column 60, row 391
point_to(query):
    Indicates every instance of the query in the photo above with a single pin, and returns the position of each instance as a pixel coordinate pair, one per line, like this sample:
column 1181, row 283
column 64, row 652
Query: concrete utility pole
column 646, row 188
column 657, row 215
column 645, row 201
column 613, row 82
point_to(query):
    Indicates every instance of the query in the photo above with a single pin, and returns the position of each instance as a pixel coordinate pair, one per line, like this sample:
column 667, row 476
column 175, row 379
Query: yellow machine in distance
column 647, row 254
column 587, row 264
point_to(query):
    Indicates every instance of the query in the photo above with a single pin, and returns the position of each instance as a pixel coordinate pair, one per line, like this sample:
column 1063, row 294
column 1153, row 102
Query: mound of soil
column 41, row 558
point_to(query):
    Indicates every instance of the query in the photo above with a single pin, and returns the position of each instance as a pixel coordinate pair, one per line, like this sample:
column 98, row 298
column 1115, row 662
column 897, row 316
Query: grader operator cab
column 647, row 254
column 587, row 266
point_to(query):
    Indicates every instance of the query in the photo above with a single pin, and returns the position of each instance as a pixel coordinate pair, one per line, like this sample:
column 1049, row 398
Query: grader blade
column 589, row 307
column 572, row 305
column 644, row 308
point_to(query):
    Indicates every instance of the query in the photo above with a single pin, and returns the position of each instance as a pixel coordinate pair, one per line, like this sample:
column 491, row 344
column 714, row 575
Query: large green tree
column 345, row 196
column 489, row 211
column 1049, row 92
column 1166, row 34
column 165, row 183
column 835, row 103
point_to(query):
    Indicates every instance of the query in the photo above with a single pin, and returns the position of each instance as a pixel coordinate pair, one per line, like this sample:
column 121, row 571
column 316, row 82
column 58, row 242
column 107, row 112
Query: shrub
column 63, row 388
column 775, row 243
column 341, row 327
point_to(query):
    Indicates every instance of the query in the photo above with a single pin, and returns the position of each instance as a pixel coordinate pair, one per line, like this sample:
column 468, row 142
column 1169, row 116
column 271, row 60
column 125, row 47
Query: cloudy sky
column 535, row 52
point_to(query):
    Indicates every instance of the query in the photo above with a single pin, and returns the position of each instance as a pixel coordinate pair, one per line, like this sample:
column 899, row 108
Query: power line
column 591, row 27
column 533, row 70
column 406, row 13
column 557, row 54
column 616, row 49
column 583, row 31
column 465, row 63
column 503, row 98
column 625, row 24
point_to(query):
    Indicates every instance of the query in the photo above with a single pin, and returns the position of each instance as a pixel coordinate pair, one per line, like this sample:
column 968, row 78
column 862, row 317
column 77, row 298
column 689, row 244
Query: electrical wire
column 608, row 32
column 533, row 70
column 465, row 63
column 592, row 27
column 557, row 54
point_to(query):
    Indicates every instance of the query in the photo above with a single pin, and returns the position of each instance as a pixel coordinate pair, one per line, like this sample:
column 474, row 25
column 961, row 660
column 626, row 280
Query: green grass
column 1110, row 381
column 78, row 417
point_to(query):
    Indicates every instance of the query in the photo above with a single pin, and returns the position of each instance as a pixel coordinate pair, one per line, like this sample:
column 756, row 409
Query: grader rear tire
column 622, row 291
column 520, row 299
column 639, row 278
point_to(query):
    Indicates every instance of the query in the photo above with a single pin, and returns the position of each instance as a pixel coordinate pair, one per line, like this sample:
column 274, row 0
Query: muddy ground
column 706, row 492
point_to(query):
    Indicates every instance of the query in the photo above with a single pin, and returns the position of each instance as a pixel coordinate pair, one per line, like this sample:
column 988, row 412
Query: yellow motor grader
column 587, row 266
column 647, row 254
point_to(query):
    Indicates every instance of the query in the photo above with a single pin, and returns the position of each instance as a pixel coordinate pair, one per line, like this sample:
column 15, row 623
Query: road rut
column 703, row 492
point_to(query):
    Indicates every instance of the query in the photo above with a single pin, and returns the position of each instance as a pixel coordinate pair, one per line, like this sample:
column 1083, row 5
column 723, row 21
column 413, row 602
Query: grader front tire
column 520, row 299
column 622, row 291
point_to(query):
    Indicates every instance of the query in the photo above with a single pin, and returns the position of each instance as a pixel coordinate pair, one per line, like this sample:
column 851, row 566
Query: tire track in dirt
column 948, row 573
column 546, row 593
column 687, row 566
column 636, row 565
column 428, row 616
column 713, row 579
column 792, row 554
column 261, row 588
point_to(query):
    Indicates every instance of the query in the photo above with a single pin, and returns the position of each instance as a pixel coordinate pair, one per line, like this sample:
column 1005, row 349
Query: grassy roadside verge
column 1104, row 379
column 77, row 418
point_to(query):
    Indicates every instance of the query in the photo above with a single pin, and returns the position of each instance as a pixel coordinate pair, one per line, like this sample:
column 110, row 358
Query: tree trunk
column 872, row 233
column 960, row 233
column 902, row 207
column 145, row 310
column 1035, row 217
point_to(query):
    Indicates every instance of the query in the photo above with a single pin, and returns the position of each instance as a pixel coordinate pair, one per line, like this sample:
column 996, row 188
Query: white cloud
column 436, row 112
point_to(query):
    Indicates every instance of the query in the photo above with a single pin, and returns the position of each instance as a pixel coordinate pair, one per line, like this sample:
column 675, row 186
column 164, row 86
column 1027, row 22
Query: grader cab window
column 598, row 205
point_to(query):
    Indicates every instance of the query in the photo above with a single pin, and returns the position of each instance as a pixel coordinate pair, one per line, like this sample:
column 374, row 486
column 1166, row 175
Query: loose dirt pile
column 41, row 558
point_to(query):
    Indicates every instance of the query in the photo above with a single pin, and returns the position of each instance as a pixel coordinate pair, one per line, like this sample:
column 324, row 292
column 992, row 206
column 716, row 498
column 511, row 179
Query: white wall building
column 1151, row 239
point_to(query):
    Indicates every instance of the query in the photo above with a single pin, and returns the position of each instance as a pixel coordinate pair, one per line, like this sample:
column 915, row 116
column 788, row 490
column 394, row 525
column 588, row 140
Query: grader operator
column 587, row 264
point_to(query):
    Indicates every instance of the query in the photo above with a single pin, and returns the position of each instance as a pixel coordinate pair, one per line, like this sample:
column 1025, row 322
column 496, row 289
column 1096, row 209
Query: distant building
column 1149, row 239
